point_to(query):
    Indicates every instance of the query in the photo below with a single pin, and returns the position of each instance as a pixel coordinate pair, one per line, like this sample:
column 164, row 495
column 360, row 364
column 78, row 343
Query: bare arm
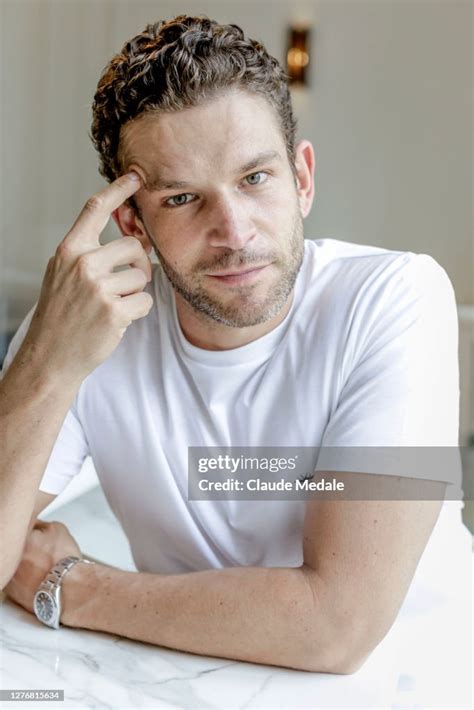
column 253, row 614
column 364, row 553
column 325, row 616
column 82, row 313
column 33, row 405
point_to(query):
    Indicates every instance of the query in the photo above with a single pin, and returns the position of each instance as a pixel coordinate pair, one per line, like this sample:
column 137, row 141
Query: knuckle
column 141, row 278
column 98, row 290
column 63, row 251
column 135, row 245
column 148, row 301
column 94, row 204
column 121, row 316
column 129, row 239
column 122, row 323
column 83, row 264
column 110, row 313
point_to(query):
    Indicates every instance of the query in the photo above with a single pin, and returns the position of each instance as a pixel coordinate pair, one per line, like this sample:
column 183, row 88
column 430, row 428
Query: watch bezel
column 53, row 594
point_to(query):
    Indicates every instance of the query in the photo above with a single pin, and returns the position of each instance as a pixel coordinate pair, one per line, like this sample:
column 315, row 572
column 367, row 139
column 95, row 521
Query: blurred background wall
column 388, row 109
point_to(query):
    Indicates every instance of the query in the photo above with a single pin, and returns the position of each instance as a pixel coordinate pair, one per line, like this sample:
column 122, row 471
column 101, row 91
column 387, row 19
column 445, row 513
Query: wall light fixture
column 298, row 55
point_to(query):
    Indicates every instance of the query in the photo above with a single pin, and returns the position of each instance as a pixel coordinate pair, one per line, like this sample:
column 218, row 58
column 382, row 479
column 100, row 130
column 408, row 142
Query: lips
column 237, row 272
column 239, row 277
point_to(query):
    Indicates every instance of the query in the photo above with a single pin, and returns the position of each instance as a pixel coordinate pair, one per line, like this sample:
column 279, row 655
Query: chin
column 243, row 311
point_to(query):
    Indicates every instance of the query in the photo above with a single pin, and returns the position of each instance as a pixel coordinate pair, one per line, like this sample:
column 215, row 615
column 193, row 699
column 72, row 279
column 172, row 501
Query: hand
column 84, row 306
column 45, row 545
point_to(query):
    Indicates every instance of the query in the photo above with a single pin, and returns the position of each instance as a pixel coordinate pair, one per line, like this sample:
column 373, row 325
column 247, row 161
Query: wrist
column 34, row 372
column 78, row 590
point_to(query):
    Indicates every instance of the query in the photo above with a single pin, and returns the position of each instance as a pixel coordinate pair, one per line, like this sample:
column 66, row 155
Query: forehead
column 223, row 132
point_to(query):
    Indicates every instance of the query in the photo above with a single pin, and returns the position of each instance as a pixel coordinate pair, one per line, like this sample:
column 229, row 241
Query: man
column 244, row 335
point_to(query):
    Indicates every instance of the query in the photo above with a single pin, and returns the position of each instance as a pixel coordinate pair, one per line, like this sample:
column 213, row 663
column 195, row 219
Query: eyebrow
column 156, row 183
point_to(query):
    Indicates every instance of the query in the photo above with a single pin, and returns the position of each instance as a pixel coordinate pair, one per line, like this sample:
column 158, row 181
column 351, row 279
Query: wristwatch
column 47, row 601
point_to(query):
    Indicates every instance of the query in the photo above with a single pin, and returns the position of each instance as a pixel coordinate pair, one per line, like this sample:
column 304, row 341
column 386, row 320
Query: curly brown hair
column 178, row 63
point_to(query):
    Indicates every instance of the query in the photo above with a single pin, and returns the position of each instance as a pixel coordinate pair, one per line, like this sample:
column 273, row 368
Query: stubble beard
column 244, row 309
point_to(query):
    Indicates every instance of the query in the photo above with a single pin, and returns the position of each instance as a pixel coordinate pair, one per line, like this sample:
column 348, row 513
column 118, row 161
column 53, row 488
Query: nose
column 229, row 223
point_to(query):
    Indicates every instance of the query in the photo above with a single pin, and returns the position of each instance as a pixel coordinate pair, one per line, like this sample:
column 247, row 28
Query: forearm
column 261, row 615
column 33, row 405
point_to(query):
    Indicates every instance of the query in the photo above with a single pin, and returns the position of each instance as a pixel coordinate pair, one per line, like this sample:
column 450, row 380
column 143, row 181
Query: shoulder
column 355, row 264
column 427, row 277
column 358, row 299
column 368, row 274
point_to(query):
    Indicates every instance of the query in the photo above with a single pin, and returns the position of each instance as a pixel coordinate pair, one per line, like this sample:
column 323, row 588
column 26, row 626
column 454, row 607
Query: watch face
column 44, row 607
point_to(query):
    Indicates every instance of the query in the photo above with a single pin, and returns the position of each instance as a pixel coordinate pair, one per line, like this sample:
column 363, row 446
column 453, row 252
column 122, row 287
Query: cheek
column 163, row 233
column 277, row 207
column 179, row 249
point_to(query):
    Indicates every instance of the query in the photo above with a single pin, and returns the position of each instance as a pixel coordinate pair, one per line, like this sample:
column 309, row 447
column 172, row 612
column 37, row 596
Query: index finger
column 95, row 214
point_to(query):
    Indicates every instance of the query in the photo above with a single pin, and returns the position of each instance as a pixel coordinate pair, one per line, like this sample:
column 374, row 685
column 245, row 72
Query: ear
column 304, row 163
column 130, row 225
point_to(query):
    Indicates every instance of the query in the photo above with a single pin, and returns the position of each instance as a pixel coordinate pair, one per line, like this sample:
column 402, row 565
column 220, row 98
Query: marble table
column 98, row 670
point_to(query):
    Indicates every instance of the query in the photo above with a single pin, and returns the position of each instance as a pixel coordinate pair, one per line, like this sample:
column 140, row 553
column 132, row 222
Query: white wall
column 389, row 112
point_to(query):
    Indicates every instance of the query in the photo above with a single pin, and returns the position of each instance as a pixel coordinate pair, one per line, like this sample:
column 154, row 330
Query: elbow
column 7, row 573
column 339, row 664
column 8, row 567
column 340, row 656
column 354, row 646
column 350, row 664
column 5, row 577
column 342, row 637
column 11, row 555
column 344, row 661
column 345, row 664
column 348, row 647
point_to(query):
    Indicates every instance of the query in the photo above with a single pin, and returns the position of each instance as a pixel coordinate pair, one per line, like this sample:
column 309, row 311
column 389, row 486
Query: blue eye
column 181, row 200
column 256, row 175
column 178, row 197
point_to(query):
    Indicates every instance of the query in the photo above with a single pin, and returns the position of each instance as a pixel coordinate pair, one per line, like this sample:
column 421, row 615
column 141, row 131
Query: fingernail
column 134, row 176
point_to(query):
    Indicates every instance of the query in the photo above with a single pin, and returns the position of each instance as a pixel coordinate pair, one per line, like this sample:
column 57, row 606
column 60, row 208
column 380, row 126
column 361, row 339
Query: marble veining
column 98, row 670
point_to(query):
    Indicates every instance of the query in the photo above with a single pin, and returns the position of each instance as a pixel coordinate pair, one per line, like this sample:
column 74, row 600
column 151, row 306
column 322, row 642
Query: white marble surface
column 102, row 671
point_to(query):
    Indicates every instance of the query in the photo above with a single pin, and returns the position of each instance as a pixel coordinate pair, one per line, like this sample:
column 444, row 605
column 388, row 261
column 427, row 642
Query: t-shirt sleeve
column 70, row 448
column 402, row 391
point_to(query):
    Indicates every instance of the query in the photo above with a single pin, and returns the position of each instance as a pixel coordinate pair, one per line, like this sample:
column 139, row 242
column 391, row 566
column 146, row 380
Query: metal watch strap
column 56, row 573
column 51, row 587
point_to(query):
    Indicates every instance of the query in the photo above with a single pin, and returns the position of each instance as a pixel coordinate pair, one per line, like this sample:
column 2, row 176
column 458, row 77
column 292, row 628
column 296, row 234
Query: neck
column 202, row 332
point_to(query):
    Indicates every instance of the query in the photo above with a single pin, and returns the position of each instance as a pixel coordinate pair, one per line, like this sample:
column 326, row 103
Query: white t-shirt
column 367, row 356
